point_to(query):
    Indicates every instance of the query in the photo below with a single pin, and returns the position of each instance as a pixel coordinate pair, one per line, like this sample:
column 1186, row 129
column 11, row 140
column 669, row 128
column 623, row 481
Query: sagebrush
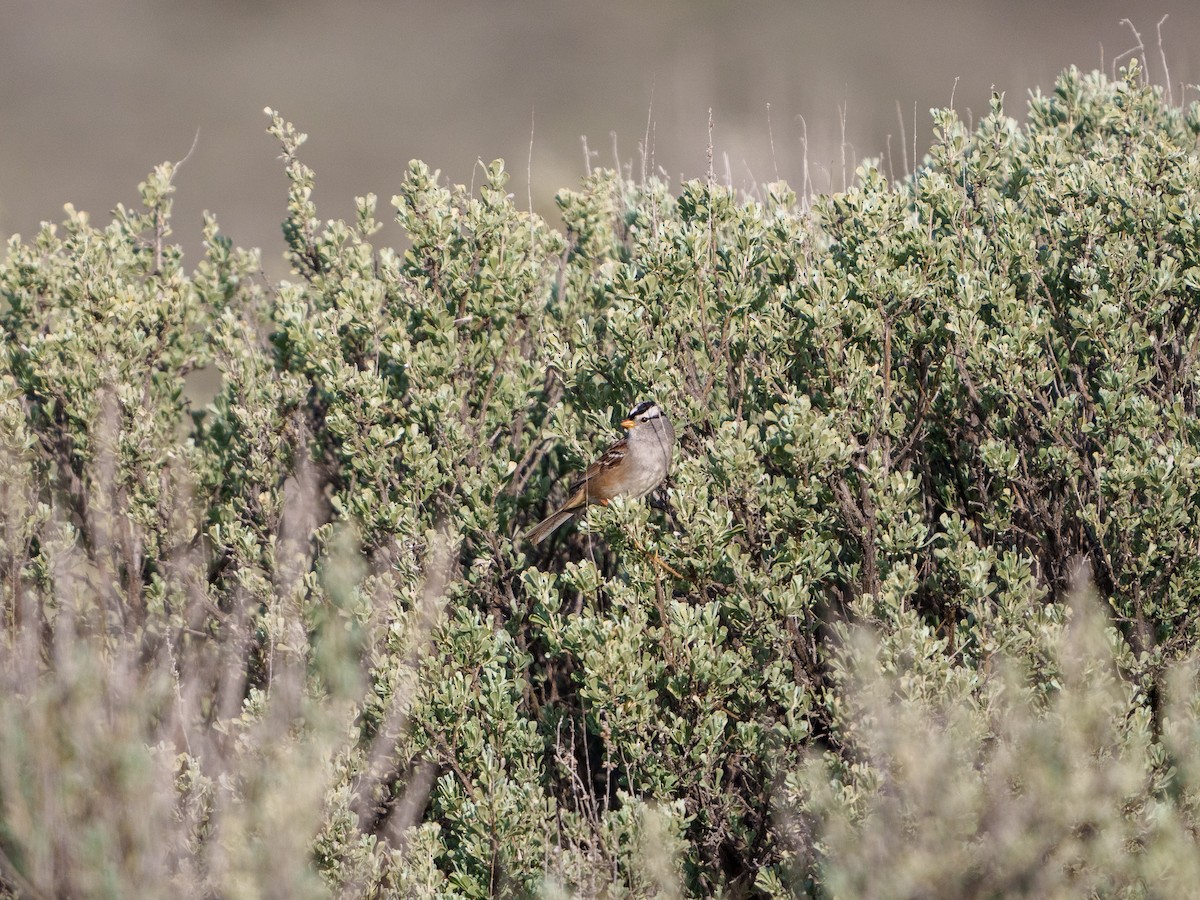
column 915, row 617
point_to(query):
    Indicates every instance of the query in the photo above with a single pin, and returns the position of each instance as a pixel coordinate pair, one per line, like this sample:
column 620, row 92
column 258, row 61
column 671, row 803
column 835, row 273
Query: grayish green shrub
column 290, row 643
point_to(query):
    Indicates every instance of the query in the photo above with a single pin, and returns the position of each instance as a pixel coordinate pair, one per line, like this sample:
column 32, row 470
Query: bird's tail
column 542, row 529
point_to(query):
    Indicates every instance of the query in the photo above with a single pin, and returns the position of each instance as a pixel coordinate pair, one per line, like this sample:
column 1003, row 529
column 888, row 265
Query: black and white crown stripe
column 645, row 411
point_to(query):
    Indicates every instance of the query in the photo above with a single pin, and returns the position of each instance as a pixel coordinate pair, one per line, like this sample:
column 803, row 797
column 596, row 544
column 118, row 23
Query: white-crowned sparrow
column 632, row 467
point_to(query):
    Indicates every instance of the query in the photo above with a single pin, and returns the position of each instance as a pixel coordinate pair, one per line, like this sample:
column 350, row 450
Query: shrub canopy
column 292, row 642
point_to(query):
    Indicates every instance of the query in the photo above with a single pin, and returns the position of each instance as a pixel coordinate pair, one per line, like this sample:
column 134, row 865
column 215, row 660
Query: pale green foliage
column 292, row 643
column 1002, row 792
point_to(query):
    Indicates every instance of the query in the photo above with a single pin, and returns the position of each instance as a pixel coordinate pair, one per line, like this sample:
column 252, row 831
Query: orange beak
column 627, row 423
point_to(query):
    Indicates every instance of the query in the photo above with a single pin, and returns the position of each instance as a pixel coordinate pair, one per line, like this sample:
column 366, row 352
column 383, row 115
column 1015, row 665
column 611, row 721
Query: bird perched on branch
column 632, row 467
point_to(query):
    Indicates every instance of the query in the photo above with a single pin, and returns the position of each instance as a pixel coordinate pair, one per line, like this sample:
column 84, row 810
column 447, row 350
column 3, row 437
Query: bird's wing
column 609, row 458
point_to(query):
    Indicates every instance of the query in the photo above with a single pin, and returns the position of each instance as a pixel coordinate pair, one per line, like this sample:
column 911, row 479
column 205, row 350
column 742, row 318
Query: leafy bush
column 293, row 644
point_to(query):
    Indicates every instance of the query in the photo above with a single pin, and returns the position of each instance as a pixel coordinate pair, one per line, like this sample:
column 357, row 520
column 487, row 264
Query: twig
column 709, row 154
column 529, row 169
column 1163, row 54
column 914, row 137
column 1130, row 51
column 842, row 116
column 771, row 139
column 646, row 139
column 662, row 564
column 196, row 140
column 806, row 185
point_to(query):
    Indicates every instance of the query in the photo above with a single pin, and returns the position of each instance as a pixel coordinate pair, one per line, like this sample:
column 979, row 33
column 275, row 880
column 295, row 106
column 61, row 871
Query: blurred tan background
column 94, row 93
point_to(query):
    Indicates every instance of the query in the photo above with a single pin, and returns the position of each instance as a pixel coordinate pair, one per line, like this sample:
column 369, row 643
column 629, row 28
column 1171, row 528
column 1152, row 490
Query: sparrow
column 632, row 467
